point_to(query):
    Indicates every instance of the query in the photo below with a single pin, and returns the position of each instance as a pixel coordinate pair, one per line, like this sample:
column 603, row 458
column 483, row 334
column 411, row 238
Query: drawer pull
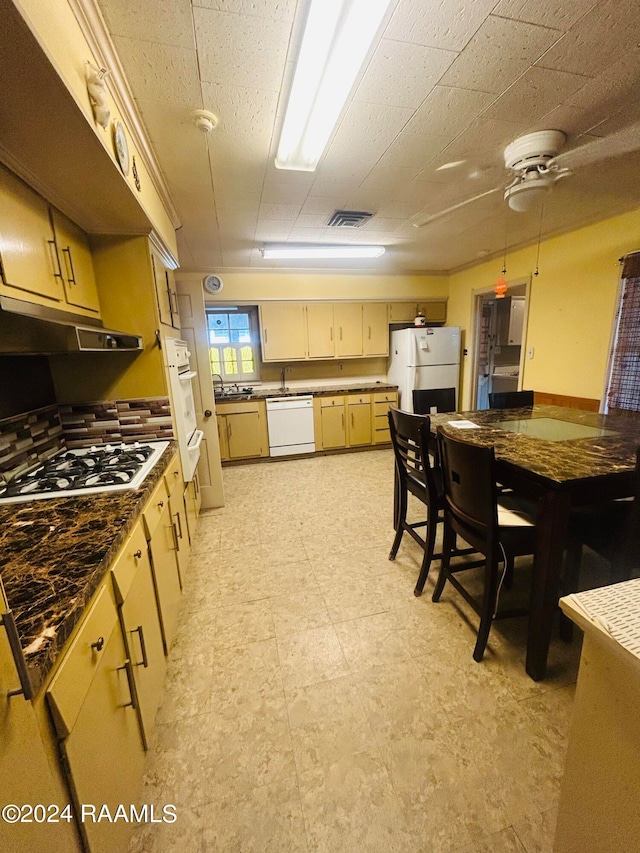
column 132, row 687
column 98, row 645
column 175, row 473
column 160, row 504
column 138, row 554
column 18, row 657
column 143, row 648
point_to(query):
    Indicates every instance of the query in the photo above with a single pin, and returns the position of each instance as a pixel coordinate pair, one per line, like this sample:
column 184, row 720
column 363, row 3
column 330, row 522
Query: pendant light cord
column 506, row 239
column 539, row 238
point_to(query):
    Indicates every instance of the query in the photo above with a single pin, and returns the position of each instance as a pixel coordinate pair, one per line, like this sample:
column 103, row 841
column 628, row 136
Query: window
column 233, row 343
column 624, row 379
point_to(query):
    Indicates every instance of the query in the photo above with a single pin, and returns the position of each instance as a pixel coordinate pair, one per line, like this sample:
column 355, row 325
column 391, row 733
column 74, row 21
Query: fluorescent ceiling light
column 280, row 252
column 337, row 37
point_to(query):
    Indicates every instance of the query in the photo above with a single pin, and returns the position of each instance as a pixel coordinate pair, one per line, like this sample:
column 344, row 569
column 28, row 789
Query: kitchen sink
column 233, row 395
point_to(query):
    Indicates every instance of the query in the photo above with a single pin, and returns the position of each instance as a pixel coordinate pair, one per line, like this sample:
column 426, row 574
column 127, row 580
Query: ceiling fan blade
column 420, row 222
column 622, row 142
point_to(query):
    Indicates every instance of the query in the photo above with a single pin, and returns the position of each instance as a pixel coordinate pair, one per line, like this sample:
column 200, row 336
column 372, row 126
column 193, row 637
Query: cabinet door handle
column 18, row 657
column 343, row 420
column 143, row 648
column 229, row 431
column 196, row 485
column 340, row 332
column 71, row 274
column 175, row 536
column 132, row 687
column 352, row 419
column 369, row 332
column 179, row 520
column 331, row 333
column 58, row 274
column 266, row 336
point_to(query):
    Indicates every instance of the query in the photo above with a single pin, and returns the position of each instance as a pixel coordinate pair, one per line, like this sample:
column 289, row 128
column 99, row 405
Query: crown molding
column 94, row 29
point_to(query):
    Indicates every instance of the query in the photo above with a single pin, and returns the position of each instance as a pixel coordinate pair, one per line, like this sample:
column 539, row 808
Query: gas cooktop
column 85, row 471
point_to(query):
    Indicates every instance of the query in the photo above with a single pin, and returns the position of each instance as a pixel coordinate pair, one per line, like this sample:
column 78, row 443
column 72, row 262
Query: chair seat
column 509, row 517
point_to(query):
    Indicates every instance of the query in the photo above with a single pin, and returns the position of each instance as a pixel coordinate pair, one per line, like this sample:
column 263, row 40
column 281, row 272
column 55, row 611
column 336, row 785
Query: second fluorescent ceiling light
column 336, row 40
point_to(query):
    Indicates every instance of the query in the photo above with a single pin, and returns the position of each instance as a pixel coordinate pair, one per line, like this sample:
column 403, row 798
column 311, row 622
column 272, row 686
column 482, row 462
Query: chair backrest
column 410, row 440
column 428, row 402
column 468, row 473
column 510, row 399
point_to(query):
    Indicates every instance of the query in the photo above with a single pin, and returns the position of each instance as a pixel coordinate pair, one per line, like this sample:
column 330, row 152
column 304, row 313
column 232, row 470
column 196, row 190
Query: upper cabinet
column 166, row 293
column 27, row 246
column 283, row 332
column 348, row 320
column 320, row 330
column 45, row 258
column 435, row 311
column 75, row 263
column 375, row 328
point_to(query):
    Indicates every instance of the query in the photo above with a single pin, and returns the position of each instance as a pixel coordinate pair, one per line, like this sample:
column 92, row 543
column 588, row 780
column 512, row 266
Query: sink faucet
column 283, row 387
column 213, row 376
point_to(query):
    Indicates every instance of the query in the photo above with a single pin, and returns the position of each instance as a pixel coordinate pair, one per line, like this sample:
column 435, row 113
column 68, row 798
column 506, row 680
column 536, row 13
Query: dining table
column 560, row 458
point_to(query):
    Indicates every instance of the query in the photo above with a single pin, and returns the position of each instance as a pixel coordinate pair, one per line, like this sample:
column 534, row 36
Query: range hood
column 38, row 330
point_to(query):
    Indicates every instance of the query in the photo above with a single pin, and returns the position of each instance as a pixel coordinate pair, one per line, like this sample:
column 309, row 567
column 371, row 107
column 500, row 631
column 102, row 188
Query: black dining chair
column 495, row 528
column 433, row 400
column 511, row 399
column 415, row 475
column 610, row 529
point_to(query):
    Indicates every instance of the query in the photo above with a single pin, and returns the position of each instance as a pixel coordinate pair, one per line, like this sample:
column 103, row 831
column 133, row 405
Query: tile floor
column 314, row 704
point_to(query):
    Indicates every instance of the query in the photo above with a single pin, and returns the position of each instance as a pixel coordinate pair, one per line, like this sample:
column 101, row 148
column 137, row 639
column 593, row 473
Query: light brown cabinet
column 283, row 331
column 320, row 330
column 358, row 420
column 166, row 293
column 333, row 424
column 75, row 263
column 94, row 705
column 348, row 323
column 375, row 328
column 353, row 420
column 380, row 402
column 242, row 429
column 435, row 311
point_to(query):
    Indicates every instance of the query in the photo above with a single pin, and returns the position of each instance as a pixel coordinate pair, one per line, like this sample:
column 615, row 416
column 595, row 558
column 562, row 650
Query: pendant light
column 500, row 287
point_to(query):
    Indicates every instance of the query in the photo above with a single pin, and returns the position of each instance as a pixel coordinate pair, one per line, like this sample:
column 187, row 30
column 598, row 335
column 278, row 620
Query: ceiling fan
column 537, row 163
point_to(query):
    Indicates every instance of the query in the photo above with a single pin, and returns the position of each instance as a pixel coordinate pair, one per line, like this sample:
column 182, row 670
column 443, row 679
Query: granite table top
column 313, row 390
column 53, row 555
column 560, row 462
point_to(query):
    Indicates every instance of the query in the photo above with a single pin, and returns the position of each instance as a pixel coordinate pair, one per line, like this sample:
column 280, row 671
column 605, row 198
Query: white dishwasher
column 290, row 423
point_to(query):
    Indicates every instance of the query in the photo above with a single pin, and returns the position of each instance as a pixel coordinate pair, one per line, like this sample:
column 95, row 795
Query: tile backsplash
column 30, row 436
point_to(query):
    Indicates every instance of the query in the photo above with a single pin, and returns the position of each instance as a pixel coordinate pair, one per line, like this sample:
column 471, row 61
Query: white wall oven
column 181, row 376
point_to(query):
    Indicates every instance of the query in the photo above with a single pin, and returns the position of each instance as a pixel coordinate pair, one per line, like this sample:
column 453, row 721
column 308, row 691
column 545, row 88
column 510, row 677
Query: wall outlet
column 340, row 366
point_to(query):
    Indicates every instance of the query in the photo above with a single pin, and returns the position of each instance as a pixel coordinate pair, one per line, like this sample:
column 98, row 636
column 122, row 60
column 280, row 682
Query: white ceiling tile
column 165, row 21
column 330, row 186
column 306, row 235
column 402, row 74
column 241, row 110
column 447, row 24
column 311, row 220
column 387, row 177
column 497, row 54
column 274, row 10
column 161, row 72
column 401, row 209
column 379, row 224
column 611, row 89
column 288, row 212
column 447, row 111
column 241, row 50
column 413, row 150
column 323, row 205
column 534, row 94
column 227, row 199
column 284, row 193
column 606, row 32
column 547, row 13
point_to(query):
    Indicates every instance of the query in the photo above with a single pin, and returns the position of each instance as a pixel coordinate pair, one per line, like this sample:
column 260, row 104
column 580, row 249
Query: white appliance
column 290, row 424
column 184, row 410
column 425, row 358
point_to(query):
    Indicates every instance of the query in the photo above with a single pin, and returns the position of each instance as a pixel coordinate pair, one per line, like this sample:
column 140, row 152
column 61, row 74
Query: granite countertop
column 314, row 390
column 55, row 552
column 562, row 461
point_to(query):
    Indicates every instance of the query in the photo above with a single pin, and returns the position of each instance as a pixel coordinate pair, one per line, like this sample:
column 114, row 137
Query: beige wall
column 572, row 305
column 262, row 286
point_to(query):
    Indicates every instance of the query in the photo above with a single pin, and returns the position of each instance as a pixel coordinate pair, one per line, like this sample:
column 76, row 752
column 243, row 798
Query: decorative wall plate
column 121, row 147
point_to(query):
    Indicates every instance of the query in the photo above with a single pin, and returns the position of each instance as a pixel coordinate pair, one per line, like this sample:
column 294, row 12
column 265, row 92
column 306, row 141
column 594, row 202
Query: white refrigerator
column 424, row 358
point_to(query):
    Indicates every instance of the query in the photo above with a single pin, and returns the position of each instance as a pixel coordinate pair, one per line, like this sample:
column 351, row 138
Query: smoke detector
column 204, row 120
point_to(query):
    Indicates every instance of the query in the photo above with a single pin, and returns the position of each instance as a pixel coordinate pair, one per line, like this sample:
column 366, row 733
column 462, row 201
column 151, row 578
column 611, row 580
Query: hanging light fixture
column 500, row 287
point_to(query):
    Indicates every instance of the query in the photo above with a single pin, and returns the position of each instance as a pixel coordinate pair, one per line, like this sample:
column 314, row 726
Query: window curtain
column 624, row 383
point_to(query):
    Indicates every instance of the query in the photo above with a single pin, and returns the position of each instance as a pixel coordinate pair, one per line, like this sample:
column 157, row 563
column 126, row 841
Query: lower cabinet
column 175, row 487
column 333, row 424
column 358, row 419
column 94, row 705
column 380, row 402
column 192, row 502
column 242, row 429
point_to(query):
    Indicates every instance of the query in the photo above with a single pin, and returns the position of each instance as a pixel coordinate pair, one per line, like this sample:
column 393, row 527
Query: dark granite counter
column 314, row 390
column 563, row 460
column 53, row 555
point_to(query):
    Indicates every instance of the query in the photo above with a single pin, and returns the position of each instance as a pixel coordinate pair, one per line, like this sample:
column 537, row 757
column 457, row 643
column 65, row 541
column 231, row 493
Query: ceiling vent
column 349, row 219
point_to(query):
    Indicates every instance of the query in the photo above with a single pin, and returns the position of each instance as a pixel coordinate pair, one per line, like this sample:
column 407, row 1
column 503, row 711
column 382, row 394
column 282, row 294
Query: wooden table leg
column 552, row 521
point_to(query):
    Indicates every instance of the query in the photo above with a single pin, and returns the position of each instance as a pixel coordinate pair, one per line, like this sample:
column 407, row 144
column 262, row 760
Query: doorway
column 499, row 329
